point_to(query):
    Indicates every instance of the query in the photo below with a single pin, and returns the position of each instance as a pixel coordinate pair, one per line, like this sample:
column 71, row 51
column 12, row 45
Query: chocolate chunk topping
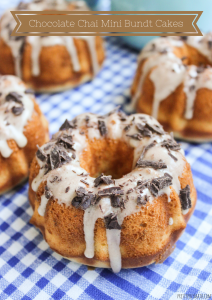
column 22, row 6
column 67, row 125
column 172, row 156
column 13, row 96
column 66, row 141
column 56, row 178
column 64, row 156
column 164, row 51
column 142, row 185
column 184, row 38
column 47, row 147
column 87, row 119
column 150, row 146
column 136, row 136
column 29, row 91
column 126, row 128
column 115, row 110
column 102, row 179
column 143, row 130
column 21, row 50
column 142, row 200
column 191, row 88
column 116, row 201
column 159, row 183
column 67, row 189
column 81, row 192
column 83, row 199
column 112, row 191
column 129, row 191
column 145, row 149
column 185, row 198
column 155, row 128
column 41, row 154
column 84, row 181
column 111, row 222
column 17, row 110
column 170, row 144
column 122, row 116
column 48, row 194
column 55, row 159
column 200, row 69
column 210, row 45
column 102, row 127
column 153, row 47
column 151, row 164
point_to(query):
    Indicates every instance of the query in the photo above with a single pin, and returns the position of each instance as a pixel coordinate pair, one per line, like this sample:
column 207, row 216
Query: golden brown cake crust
column 146, row 236
column 15, row 168
column 56, row 70
column 172, row 108
column 67, row 238
column 56, row 66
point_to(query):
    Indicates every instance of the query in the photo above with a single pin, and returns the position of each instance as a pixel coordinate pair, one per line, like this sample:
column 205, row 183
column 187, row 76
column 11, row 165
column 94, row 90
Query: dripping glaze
column 16, row 44
column 71, row 174
column 12, row 126
column 168, row 71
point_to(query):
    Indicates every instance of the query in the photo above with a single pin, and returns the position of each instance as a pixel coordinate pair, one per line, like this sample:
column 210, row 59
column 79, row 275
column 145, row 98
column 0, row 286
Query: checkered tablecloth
column 29, row 269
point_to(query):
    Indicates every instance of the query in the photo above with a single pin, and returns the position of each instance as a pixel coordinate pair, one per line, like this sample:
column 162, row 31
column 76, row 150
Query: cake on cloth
column 173, row 83
column 111, row 191
column 23, row 127
column 49, row 63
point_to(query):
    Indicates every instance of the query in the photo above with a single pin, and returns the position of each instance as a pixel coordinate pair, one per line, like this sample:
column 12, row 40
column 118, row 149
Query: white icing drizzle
column 185, row 211
column 202, row 44
column 92, row 48
column 113, row 242
column 193, row 82
column 37, row 42
column 71, row 174
column 173, row 74
column 12, row 126
column 171, row 222
column 167, row 71
column 15, row 44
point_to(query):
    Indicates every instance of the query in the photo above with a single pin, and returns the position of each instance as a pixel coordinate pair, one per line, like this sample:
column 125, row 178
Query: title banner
column 102, row 23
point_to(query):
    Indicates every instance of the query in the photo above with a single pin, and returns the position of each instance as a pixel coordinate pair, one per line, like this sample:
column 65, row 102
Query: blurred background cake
column 23, row 127
column 173, row 83
column 49, row 63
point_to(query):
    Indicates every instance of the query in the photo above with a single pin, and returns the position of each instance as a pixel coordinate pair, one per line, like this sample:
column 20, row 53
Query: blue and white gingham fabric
column 29, row 269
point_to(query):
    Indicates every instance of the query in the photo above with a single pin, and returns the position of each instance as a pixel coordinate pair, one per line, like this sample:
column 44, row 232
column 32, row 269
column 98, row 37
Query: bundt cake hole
column 111, row 157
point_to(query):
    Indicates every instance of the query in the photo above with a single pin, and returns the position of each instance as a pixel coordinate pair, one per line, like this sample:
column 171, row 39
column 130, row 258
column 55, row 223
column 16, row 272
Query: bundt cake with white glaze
column 173, row 83
column 22, row 128
column 49, row 63
column 111, row 191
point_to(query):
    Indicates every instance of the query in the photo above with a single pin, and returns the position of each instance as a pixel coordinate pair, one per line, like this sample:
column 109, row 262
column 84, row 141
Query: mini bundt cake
column 173, row 83
column 49, row 63
column 22, row 128
column 113, row 191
